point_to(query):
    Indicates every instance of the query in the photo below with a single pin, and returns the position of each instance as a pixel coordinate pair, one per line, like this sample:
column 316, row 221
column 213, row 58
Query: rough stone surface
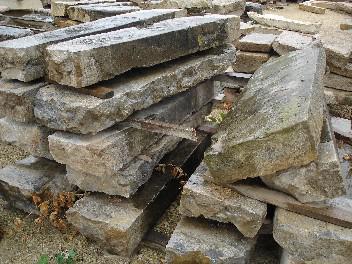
column 107, row 55
column 344, row 71
column 339, row 82
column 7, row 33
column 249, row 62
column 60, row 8
column 343, row 151
column 311, row 240
column 30, row 137
column 23, row 59
column 86, row 13
column 307, row 6
column 69, row 110
column 342, row 126
column 200, row 198
column 18, row 182
column 346, row 26
column 338, row 55
column 208, row 242
column 338, row 6
column 254, row 7
column 289, row 41
column 277, row 122
column 337, row 97
column 256, row 42
column 17, row 99
column 285, row 23
column 319, row 180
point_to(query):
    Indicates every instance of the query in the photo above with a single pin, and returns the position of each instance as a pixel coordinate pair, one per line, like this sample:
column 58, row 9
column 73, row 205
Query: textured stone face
column 344, row 71
column 7, row 33
column 256, row 42
column 207, row 242
column 307, row 6
column 277, row 122
column 285, row 23
column 69, row 110
column 30, row 137
column 289, row 41
column 23, row 59
column 107, row 55
column 338, row 55
column 311, row 240
column 249, row 62
column 319, row 180
column 339, row 82
column 17, row 99
column 19, row 181
column 215, row 202
column 337, row 97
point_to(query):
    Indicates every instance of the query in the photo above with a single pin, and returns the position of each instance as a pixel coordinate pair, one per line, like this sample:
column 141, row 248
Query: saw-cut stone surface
column 256, row 42
column 107, row 55
column 17, row 99
column 285, row 23
column 18, row 182
column 249, row 62
column 319, row 180
column 86, row 13
column 60, row 8
column 30, row 137
column 277, row 122
column 7, row 33
column 289, row 41
column 208, row 242
column 215, row 202
column 339, row 82
column 23, row 59
column 68, row 110
column 312, row 240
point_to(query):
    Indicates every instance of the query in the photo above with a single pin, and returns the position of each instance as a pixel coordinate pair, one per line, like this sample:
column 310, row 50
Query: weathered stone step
column 208, row 242
column 277, row 122
column 23, row 59
column 107, row 55
column 68, row 110
column 119, row 224
column 7, row 33
column 215, row 202
column 20, row 181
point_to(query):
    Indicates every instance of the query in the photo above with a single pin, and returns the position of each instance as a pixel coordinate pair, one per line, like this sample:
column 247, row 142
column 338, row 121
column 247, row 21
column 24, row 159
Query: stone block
column 249, row 62
column 255, row 140
column 107, row 55
column 69, row 110
column 307, row 6
column 208, row 242
column 338, row 82
column 60, row 8
column 337, row 6
column 23, row 59
column 337, row 97
column 346, row 26
column 219, row 203
column 344, row 71
column 7, row 33
column 338, row 54
column 289, row 41
column 256, row 42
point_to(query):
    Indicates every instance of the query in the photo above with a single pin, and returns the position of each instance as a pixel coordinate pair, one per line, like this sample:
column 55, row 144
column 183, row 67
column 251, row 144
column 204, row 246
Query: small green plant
column 67, row 257
column 44, row 259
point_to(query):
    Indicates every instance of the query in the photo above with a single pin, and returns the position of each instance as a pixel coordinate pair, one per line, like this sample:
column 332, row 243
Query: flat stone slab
column 338, row 54
column 307, row 6
column 208, row 242
column 86, row 13
column 7, row 33
column 219, row 203
column 338, row 6
column 289, row 41
column 107, row 55
column 28, row 136
column 285, row 23
column 249, row 62
column 319, row 180
column 344, row 71
column 337, row 97
column 312, row 240
column 254, row 140
column 20, row 181
column 256, row 42
column 17, row 99
column 69, row 110
column 60, row 8
column 342, row 126
column 23, row 59
column 339, row 82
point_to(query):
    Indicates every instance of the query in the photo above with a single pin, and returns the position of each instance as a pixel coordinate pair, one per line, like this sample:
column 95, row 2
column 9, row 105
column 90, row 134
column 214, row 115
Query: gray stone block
column 289, row 41
column 7, row 33
column 256, row 42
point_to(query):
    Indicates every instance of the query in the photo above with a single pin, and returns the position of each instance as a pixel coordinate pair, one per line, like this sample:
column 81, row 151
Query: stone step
column 249, row 62
column 20, row 181
column 69, row 110
column 118, row 224
column 255, row 140
column 256, row 42
column 7, row 33
column 289, row 41
column 107, row 55
column 219, row 203
column 30, row 137
column 208, row 242
column 23, row 59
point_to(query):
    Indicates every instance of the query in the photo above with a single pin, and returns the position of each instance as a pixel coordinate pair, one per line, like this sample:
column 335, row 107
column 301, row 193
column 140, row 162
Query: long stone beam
column 85, row 61
column 23, row 58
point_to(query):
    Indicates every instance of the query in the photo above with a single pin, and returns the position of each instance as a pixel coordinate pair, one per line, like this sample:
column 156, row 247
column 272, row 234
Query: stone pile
column 81, row 128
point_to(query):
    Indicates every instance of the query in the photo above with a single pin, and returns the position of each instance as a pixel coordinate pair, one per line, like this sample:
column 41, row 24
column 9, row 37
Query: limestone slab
column 208, row 242
column 256, row 42
column 307, row 6
column 68, row 110
column 7, row 33
column 28, row 136
column 338, row 54
column 249, row 62
column 23, row 59
column 289, row 41
column 219, row 203
column 285, row 23
column 337, row 97
column 344, row 71
column 60, row 8
column 338, row 82
column 107, row 55
column 338, row 6
column 256, row 140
